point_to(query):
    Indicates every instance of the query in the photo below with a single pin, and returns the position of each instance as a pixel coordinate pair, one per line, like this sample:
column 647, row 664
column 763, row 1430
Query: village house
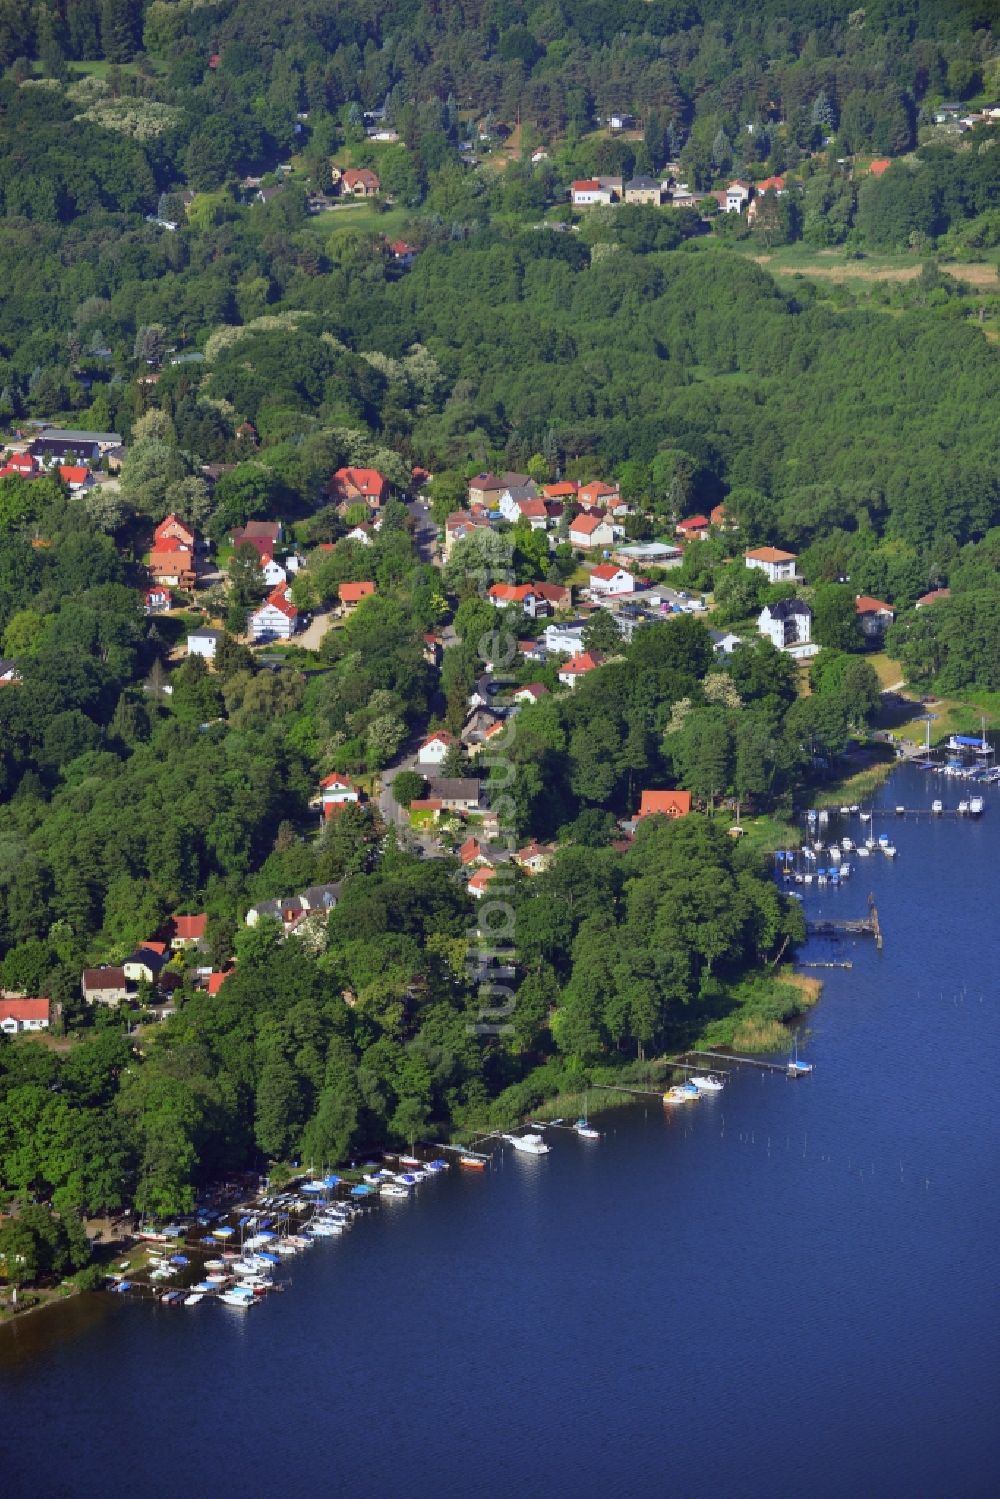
column 934, row 597
column 643, row 190
column 564, row 638
column 537, row 512
column 106, row 985
column 607, row 580
column 788, row 626
column 157, row 599
column 19, row 1013
column 532, row 693
column 337, row 791
column 694, row 528
column 459, row 525
column 597, row 495
column 262, row 535
column 578, row 666
column 725, row 642
column 532, row 650
column 478, row 741
column 590, row 531
column 534, row 858
column 86, row 447
column 351, row 595
column 565, row 489
column 664, row 804
column 435, row 747
column 76, row 477
column 172, row 533
column 9, row 674
column 291, row 909
column 525, row 597
column 455, row 793
column 276, row 618
column 778, row 566
column 204, row 642
column 183, row 932
column 21, row 466
column 720, row 519
column 874, row 616
column 403, row 254
column 361, row 533
column 737, row 196
column 478, row 883
column 147, row 962
column 175, row 567
column 359, row 182
column 353, row 486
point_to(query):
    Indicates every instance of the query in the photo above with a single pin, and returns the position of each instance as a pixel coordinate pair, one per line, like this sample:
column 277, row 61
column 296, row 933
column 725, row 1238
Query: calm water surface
column 789, row 1289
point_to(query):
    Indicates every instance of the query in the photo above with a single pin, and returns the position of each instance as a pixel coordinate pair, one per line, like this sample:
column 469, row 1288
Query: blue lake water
column 789, row 1289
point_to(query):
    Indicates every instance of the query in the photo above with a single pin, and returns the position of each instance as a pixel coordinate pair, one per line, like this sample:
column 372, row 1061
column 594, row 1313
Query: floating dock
column 865, row 926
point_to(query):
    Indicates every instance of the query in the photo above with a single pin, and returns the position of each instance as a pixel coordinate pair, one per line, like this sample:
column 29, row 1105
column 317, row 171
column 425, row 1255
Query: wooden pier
column 865, row 926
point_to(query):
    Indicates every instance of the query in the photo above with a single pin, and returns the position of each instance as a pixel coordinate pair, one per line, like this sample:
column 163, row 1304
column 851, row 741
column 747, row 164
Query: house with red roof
column 354, row 486
column 590, row 531
column 934, row 597
column 874, row 615
column 19, row 1013
column 172, row 532
column 566, row 489
column 186, row 931
column 351, row 595
column 694, row 528
column 337, row 791
column 21, row 466
column 535, row 857
column 597, row 495
column 665, row 804
column 215, row 981
column 157, row 599
column 76, row 476
column 435, row 747
column 879, row 166
column 578, row 666
column 262, row 534
column 359, row 182
column 174, row 567
column 403, row 254
column 479, row 882
column 610, row 581
column 276, row 618
column 719, row 518
column 459, row 525
column 523, row 596
column 779, row 566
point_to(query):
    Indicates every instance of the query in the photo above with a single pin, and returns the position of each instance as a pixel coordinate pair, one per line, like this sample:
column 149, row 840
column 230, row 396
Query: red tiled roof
column 481, row 878
column 353, row 593
column 279, row 599
column 865, row 604
column 216, row 981
column 587, row 185
column 933, row 597
column 777, row 183
column 187, row 928
column 23, row 1009
column 665, row 803
column 770, row 554
column 585, row 661
column 72, row 473
column 565, row 490
column 606, row 571
column 879, row 165
column 338, row 780
column 586, row 525
column 441, row 736
column 694, row 523
column 367, row 481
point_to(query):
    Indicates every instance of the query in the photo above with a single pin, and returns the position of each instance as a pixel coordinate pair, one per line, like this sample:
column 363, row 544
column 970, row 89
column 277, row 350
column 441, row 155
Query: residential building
column 171, row 533
column 874, row 616
column 566, row 489
column 779, row 566
column 587, row 191
column 176, row 568
column 565, row 638
column 76, row 477
column 291, row 909
column 737, row 197
column 524, row 596
column 9, row 674
column 787, row 624
column 359, row 182
column 455, row 793
column 534, row 858
column 694, row 528
column 276, row 618
column 559, row 595
column 106, row 985
column 147, row 962
column 337, row 791
column 351, row 595
column 19, row 1013
column 359, row 485
column 590, row 531
column 267, row 531
column 434, row 749
column 597, row 495
column 607, row 580
column 934, row 597
column 643, row 190
column 183, row 932
column 21, row 466
column 532, row 693
column 725, row 642
column 579, row 666
column 157, row 599
column 665, row 804
column 461, row 523
column 478, row 883
column 58, row 442
column 204, row 643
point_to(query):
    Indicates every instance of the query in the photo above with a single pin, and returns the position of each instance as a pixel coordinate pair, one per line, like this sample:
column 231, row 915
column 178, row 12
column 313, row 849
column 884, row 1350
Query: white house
column 336, row 790
column 18, row 1013
column 272, row 572
column 778, row 565
column 591, row 532
column 874, row 615
column 434, row 750
column 788, row 625
column 204, row 643
column 725, row 642
column 737, row 197
column 276, row 618
column 578, row 666
column 609, row 581
column 565, row 639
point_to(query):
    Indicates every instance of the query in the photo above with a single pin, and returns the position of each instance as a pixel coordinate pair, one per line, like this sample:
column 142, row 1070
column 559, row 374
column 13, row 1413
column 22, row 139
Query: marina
column 858, row 1201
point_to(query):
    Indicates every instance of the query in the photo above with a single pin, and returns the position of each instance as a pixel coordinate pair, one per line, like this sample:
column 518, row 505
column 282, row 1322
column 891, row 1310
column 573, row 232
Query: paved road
column 310, row 638
column 424, row 531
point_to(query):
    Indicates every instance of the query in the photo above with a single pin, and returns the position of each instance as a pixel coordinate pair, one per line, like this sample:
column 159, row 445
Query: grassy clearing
column 358, row 218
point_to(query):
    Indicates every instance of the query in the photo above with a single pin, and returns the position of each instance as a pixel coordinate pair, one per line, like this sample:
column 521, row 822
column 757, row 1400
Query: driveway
column 310, row 638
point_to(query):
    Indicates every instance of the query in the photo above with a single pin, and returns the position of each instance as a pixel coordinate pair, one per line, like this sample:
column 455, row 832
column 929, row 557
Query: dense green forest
column 147, row 291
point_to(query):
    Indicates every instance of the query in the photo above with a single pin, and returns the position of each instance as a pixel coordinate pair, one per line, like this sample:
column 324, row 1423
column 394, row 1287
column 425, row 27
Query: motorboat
column 976, row 805
column 472, row 1162
column 530, row 1144
column 437, row 1166
column 847, row 844
column 845, row 811
column 707, row 1082
column 585, row 1130
column 393, row 1189
column 889, row 849
column 855, row 808
column 963, row 809
column 238, row 1297
column 681, row 1093
column 194, row 1298
column 862, row 851
column 937, row 807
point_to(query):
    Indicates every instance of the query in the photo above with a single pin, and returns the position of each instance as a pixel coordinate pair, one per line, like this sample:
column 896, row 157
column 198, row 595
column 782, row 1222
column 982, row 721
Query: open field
column 358, row 218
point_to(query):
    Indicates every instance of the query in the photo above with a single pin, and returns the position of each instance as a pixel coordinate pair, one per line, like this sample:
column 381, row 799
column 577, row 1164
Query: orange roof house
column 665, row 804
column 351, row 594
column 879, row 166
column 359, row 484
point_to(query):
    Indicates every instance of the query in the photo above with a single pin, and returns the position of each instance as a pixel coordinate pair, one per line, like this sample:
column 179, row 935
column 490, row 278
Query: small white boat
column 847, row 844
column 194, row 1298
column 681, row 1093
column 845, row 811
column 796, row 1068
column 863, row 852
column 936, row 807
column 889, row 849
column 239, row 1298
column 528, row 1144
column 393, row 1189
column 583, row 1126
column 855, row 808
column 708, row 1082
column 963, row 809
column 976, row 805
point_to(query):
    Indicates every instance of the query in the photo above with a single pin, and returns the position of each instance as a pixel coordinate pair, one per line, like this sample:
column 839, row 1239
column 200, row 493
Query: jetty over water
column 865, row 926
